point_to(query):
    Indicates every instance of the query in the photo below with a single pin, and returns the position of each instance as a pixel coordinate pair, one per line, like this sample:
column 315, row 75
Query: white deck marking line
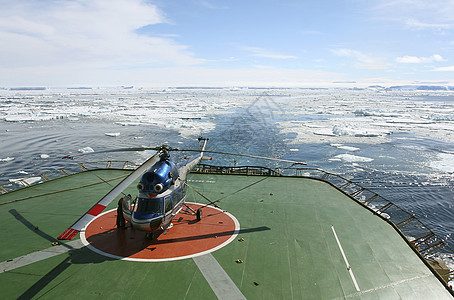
column 390, row 285
column 349, row 268
column 33, row 257
column 219, row 281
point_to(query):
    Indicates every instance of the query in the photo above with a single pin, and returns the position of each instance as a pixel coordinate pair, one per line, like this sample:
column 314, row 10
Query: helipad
column 187, row 238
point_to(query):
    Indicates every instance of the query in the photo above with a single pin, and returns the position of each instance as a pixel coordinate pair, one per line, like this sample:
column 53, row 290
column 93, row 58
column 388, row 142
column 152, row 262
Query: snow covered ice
column 351, row 158
column 345, row 115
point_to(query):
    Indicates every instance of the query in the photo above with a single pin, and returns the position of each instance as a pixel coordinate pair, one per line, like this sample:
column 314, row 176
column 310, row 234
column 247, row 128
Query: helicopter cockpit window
column 168, row 203
column 175, row 198
column 147, row 206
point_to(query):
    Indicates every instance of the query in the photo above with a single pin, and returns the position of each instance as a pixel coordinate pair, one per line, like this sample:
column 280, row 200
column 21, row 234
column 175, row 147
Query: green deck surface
column 289, row 249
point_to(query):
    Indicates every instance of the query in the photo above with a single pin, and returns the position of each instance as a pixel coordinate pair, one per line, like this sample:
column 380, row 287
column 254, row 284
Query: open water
column 400, row 144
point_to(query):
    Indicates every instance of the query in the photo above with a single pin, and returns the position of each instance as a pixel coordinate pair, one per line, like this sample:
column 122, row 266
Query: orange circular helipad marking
column 187, row 238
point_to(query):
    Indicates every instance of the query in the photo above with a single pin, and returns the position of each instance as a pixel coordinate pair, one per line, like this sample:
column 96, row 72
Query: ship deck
column 299, row 238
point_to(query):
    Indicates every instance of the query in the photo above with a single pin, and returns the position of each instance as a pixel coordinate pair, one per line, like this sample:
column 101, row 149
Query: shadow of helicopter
column 75, row 256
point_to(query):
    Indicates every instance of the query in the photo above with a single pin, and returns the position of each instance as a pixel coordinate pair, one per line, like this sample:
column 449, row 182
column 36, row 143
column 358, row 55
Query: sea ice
column 351, row 158
column 86, row 150
column 344, row 129
column 439, row 117
column 112, row 134
column 25, row 181
column 7, row 159
column 44, row 156
column 343, row 147
column 445, row 163
column 310, row 116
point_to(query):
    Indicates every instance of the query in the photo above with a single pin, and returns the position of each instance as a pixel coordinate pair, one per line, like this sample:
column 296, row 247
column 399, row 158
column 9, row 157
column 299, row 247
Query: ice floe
column 444, row 163
column 6, row 159
column 349, row 129
column 86, row 150
column 112, row 134
column 351, row 158
column 314, row 116
column 343, row 147
column 25, row 181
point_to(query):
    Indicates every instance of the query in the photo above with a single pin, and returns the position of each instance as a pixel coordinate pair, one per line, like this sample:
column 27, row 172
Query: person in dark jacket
column 120, row 218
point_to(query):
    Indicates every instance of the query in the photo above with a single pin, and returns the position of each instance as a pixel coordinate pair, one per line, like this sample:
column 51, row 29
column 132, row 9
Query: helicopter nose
column 158, row 187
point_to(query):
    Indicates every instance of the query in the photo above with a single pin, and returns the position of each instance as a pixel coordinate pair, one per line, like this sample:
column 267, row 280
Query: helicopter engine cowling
column 160, row 177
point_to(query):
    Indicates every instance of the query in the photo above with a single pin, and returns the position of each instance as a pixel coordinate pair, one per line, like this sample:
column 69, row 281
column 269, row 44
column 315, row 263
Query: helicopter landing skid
column 188, row 210
column 192, row 212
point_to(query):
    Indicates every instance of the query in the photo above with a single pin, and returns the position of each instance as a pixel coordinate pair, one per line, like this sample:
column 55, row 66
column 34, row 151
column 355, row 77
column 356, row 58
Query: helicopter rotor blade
column 189, row 150
column 132, row 149
column 96, row 209
column 245, row 155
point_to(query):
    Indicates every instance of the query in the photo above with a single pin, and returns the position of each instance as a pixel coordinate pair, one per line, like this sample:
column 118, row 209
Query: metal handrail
column 63, row 172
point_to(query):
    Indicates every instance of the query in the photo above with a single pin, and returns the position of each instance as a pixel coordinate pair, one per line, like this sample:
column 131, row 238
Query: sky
column 266, row 43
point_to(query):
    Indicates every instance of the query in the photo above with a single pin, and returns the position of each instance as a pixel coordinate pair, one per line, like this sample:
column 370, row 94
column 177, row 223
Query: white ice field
column 339, row 117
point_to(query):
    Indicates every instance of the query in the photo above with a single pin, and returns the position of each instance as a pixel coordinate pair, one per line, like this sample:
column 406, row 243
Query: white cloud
column 352, row 53
column 416, row 24
column 418, row 60
column 91, row 33
column 417, row 14
column 451, row 68
column 363, row 61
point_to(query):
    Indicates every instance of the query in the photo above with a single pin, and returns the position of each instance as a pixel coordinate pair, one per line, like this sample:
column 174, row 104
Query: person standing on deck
column 120, row 217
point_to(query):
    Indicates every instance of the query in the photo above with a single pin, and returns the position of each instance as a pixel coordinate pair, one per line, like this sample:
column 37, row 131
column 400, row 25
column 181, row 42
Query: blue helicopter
column 162, row 193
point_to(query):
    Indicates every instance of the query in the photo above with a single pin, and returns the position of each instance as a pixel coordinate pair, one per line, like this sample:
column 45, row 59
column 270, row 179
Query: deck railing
column 425, row 241
column 75, row 168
